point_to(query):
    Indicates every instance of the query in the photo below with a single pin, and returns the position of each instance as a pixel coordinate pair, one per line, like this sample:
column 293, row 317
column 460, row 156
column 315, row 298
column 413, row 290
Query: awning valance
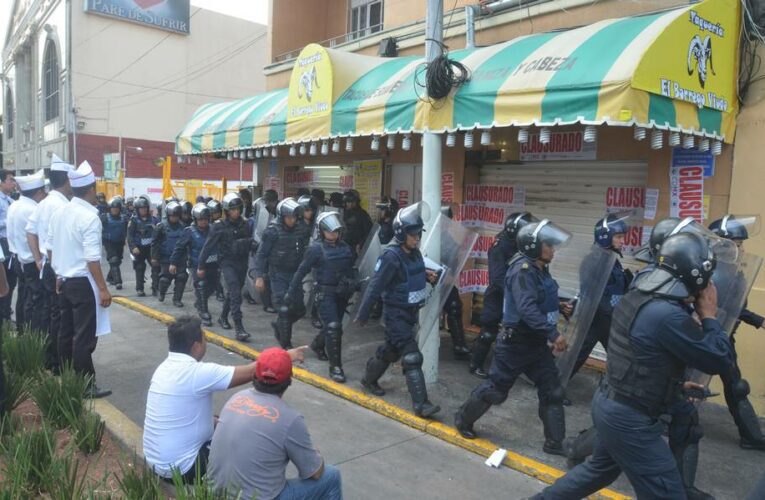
column 673, row 70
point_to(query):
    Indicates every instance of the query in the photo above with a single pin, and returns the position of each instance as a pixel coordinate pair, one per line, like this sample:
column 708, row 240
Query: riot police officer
column 232, row 240
column 216, row 213
column 499, row 256
column 113, row 236
column 453, row 311
column 186, row 255
column 129, row 209
column 166, row 236
column 356, row 220
column 331, row 260
column 140, row 238
column 609, row 234
column 401, row 279
column 186, row 218
column 530, row 324
column 386, row 211
column 278, row 257
column 101, row 204
column 309, row 209
column 736, row 387
column 653, row 340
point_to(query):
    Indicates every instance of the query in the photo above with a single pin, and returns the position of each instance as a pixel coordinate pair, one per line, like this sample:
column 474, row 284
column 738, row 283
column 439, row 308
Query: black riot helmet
column 659, row 233
column 532, row 237
column 141, row 202
column 215, row 207
column 736, row 227
column 307, row 202
column 232, row 201
column 330, row 222
column 173, row 209
column 685, row 266
column 116, row 202
column 129, row 202
column 200, row 211
column 516, row 220
column 101, row 197
column 186, row 208
column 410, row 220
column 287, row 207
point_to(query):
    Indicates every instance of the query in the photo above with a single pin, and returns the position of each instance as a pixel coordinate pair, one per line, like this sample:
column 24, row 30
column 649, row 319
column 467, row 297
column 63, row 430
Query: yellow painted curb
column 122, row 428
column 482, row 447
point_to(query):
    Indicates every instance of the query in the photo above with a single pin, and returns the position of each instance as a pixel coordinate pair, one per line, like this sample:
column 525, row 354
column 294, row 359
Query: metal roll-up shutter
column 328, row 178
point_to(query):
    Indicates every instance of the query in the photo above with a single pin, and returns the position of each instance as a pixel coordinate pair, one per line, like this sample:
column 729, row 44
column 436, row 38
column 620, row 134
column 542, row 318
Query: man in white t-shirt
column 179, row 414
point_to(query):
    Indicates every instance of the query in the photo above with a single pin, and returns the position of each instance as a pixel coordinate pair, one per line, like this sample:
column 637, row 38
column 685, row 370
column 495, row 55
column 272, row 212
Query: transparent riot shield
column 594, row 270
column 365, row 267
column 261, row 217
column 446, row 250
column 733, row 283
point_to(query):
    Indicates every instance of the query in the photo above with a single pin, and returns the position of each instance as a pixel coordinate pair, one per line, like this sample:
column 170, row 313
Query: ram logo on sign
column 168, row 15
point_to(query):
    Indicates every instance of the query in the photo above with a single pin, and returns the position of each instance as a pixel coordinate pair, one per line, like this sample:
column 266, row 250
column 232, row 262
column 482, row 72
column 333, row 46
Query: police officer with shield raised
column 530, row 327
column 140, row 238
column 653, row 340
column 499, row 256
column 331, row 260
column 401, row 279
column 113, row 236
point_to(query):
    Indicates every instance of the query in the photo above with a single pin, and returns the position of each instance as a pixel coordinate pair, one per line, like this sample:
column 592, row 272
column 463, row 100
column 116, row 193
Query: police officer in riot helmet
column 386, row 211
column 735, row 386
column 453, row 311
column 401, row 280
column 140, row 238
column 114, row 234
column 186, row 255
column 653, row 341
column 186, row 218
column 101, row 204
column 232, row 240
column 331, row 260
column 129, row 210
column 167, row 234
column 609, row 233
column 529, row 337
column 278, row 257
column 216, row 210
column 356, row 220
column 499, row 256
column 309, row 211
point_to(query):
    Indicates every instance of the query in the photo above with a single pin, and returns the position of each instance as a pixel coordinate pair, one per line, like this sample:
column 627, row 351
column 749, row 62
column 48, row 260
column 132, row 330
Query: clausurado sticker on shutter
column 632, row 199
column 686, row 192
column 486, row 206
column 474, row 281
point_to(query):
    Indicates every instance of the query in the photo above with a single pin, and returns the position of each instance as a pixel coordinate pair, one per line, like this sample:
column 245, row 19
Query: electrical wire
column 441, row 75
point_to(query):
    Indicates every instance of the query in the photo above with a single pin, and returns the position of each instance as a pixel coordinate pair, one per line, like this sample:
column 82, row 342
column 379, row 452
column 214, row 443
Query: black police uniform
column 530, row 318
column 113, row 237
column 166, row 237
column 141, row 236
column 186, row 254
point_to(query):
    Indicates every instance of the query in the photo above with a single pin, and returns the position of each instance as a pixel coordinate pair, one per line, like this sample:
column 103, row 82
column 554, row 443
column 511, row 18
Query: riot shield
column 733, row 282
column 446, row 250
column 365, row 267
column 261, row 217
column 593, row 274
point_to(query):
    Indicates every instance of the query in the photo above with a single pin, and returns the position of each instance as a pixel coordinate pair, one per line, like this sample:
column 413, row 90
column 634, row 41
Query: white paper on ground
column 496, row 458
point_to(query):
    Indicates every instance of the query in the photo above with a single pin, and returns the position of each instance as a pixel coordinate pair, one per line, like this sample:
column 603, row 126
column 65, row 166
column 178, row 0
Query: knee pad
column 284, row 311
column 487, row 337
column 334, row 329
column 411, row 360
column 114, row 260
column 741, row 389
column 387, row 354
column 556, row 396
column 199, row 285
column 494, row 395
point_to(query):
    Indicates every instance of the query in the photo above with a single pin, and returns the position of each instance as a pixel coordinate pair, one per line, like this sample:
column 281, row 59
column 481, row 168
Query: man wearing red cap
column 258, row 434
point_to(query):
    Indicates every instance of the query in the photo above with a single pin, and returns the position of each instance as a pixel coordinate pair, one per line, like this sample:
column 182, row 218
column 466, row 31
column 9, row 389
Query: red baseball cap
column 274, row 366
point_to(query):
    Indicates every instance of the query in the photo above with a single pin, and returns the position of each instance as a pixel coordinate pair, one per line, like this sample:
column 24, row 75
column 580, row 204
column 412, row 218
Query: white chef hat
column 83, row 176
column 32, row 181
column 59, row 165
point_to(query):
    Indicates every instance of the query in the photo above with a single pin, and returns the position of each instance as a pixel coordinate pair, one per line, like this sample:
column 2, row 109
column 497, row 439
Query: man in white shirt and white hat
column 32, row 189
column 49, row 312
column 75, row 245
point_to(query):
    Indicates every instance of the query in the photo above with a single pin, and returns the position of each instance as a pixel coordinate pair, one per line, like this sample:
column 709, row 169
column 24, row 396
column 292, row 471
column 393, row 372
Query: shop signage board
column 310, row 90
column 473, row 281
column 632, row 199
column 686, row 192
column 367, row 180
column 486, row 206
column 562, row 146
column 168, row 15
column 111, row 166
column 693, row 157
column 447, row 187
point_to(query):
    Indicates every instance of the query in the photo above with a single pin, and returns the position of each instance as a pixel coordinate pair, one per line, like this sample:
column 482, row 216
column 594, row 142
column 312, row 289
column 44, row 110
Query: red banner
column 481, row 248
column 474, row 281
column 447, row 187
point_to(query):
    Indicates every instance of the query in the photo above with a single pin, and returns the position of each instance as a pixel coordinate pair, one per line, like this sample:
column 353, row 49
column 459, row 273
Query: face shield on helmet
column 724, row 250
column 200, row 212
column 215, row 207
column 232, row 201
column 330, row 222
column 186, row 208
column 736, row 227
column 686, row 263
column 307, row 203
column 115, row 202
column 533, row 237
column 515, row 221
column 288, row 207
column 611, row 225
column 173, row 209
column 648, row 253
column 410, row 220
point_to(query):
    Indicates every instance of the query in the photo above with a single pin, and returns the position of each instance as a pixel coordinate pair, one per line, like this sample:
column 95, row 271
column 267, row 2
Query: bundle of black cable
column 444, row 74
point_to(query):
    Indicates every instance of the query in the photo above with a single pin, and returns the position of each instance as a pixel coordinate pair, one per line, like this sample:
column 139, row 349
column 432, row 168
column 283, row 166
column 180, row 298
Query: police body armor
column 412, row 291
column 287, row 251
column 547, row 299
column 336, row 270
column 198, row 239
column 115, row 229
column 649, row 389
column 616, row 286
column 173, row 233
column 144, row 230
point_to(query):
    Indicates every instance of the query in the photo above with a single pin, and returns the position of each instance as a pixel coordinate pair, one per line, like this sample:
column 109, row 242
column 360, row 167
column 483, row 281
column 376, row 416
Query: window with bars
column 50, row 81
column 366, row 18
column 10, row 119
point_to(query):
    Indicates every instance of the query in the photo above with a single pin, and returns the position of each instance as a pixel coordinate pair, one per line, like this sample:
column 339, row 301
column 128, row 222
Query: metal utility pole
column 431, row 177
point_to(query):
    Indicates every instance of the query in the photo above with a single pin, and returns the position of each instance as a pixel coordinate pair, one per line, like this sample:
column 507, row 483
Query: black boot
column 201, row 306
column 241, row 334
column 459, row 347
column 178, row 293
column 468, row 414
column 748, row 425
column 117, row 276
column 580, row 447
column 375, row 369
column 554, row 422
column 223, row 322
column 164, row 284
column 687, row 459
column 283, row 328
column 334, row 344
column 481, row 348
column 415, row 382
column 317, row 346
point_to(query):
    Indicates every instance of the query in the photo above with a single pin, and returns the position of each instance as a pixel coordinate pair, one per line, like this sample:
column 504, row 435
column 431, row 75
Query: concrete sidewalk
column 378, row 457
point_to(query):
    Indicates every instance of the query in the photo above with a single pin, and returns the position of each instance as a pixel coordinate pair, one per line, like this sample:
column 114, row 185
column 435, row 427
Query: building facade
column 86, row 79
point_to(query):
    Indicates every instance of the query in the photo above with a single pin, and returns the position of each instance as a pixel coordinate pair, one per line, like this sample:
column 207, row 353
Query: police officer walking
column 278, row 257
column 356, row 220
column 186, row 255
column 332, row 261
column 401, row 279
column 186, row 218
column 529, row 319
column 231, row 240
column 653, row 340
column 216, row 214
column 140, row 238
column 113, row 238
column 166, row 236
column 499, row 256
